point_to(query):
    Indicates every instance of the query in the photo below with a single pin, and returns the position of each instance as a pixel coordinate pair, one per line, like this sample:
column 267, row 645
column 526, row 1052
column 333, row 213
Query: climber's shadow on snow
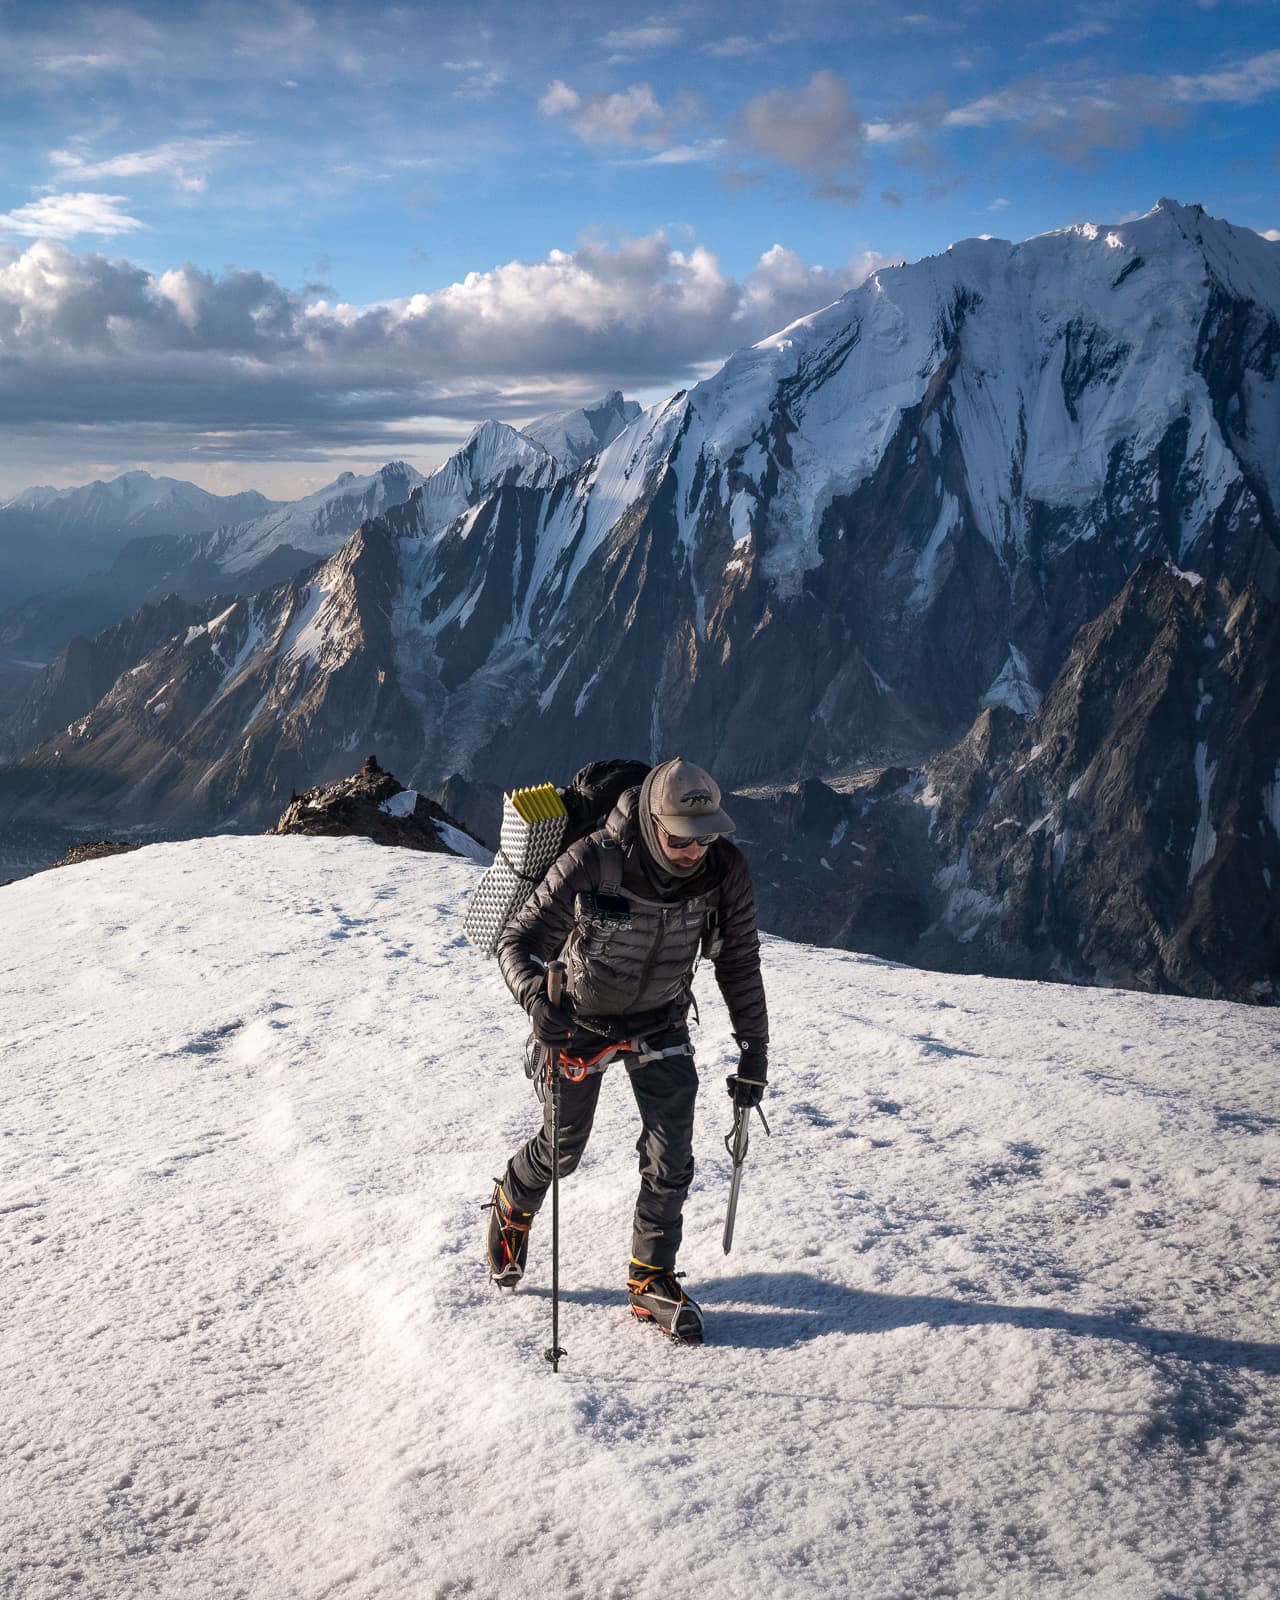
column 774, row 1310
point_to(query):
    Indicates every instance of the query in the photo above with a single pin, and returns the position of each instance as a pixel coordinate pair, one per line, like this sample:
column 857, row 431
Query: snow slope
column 1001, row 1319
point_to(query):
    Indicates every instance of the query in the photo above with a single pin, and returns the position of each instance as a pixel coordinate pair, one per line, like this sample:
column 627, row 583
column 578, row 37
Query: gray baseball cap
column 686, row 799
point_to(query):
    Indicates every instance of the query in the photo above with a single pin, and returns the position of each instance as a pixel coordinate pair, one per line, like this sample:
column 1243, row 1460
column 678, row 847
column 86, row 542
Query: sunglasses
column 680, row 841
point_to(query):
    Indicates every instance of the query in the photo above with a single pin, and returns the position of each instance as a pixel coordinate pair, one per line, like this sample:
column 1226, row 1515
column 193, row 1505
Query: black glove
column 746, row 1086
column 753, row 1058
column 552, row 1025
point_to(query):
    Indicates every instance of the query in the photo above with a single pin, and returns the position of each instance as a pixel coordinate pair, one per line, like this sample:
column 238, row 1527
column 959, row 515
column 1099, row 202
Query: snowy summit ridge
column 1014, row 1224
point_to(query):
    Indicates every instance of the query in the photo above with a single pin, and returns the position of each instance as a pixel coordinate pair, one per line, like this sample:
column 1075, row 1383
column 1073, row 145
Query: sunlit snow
column 1000, row 1317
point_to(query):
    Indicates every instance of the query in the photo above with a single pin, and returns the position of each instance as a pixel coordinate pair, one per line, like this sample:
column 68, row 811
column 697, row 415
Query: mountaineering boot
column 656, row 1297
column 507, row 1239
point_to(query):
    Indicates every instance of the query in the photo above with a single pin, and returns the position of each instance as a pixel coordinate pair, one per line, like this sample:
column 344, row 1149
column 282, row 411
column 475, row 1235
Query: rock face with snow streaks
column 863, row 533
column 1130, row 832
column 231, row 715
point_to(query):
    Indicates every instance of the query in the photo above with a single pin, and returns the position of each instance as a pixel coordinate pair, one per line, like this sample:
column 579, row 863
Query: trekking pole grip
column 555, row 981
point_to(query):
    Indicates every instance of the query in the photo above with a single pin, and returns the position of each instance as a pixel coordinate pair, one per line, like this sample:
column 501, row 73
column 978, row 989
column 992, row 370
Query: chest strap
column 610, row 865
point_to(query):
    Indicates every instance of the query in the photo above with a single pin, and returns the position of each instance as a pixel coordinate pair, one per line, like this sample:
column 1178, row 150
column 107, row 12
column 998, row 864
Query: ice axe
column 736, row 1144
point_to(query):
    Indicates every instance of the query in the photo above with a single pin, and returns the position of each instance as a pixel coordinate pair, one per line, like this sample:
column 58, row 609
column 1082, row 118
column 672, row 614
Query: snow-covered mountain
column 316, row 525
column 279, row 540
column 841, row 547
column 999, row 1320
column 135, row 502
column 50, row 536
column 573, row 437
column 863, row 529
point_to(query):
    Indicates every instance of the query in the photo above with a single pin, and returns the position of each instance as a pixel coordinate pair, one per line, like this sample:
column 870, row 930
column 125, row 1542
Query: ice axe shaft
column 555, row 988
column 736, row 1144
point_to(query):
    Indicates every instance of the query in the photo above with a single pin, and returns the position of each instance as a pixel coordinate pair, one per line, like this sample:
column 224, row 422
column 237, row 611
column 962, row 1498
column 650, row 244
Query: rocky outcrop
column 371, row 805
column 96, row 850
column 1127, row 833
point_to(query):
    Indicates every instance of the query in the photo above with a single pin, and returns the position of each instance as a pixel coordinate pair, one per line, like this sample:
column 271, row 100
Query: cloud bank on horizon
column 262, row 244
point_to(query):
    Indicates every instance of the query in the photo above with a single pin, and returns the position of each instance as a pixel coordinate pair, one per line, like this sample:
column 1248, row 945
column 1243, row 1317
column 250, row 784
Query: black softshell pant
column 665, row 1092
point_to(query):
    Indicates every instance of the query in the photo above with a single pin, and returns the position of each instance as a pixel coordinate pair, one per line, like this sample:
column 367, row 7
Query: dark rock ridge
column 1127, row 834
column 365, row 805
column 96, row 850
column 87, row 669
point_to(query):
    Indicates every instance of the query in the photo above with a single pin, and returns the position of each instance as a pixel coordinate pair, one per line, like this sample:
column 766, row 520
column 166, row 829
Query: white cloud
column 237, row 365
column 1241, row 84
column 180, row 159
column 681, row 155
column 654, row 35
column 737, row 45
column 479, row 79
column 1273, row 234
column 1091, row 29
column 1075, row 117
column 559, row 99
column 890, row 132
column 632, row 116
column 67, row 216
column 1075, row 120
column 78, row 63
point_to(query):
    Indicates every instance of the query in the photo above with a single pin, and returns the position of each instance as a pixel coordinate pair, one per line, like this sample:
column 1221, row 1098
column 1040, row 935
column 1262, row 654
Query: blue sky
column 257, row 244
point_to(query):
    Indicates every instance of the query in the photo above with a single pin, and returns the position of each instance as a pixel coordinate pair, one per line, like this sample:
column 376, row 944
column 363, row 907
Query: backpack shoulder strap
column 610, row 865
column 712, row 936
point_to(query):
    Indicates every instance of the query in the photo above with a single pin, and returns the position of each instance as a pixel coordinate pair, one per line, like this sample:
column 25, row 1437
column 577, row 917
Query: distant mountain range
column 162, row 537
column 869, row 540
column 48, row 536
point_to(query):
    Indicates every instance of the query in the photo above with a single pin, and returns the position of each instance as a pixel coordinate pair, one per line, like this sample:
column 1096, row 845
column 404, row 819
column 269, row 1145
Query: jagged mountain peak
column 493, row 440
column 574, row 436
column 318, row 523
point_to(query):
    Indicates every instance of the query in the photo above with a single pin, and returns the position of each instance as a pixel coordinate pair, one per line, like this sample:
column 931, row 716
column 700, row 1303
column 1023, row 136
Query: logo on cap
column 696, row 797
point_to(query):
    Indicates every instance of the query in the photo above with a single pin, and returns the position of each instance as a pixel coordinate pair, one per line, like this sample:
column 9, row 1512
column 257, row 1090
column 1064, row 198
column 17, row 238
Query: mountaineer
column 630, row 909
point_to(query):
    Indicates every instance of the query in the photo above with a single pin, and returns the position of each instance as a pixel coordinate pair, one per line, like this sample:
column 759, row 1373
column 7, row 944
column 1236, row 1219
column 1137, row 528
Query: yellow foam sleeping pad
column 538, row 804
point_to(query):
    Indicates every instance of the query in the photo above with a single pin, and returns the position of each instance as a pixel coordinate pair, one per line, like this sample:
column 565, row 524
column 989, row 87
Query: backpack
column 594, row 791
column 538, row 825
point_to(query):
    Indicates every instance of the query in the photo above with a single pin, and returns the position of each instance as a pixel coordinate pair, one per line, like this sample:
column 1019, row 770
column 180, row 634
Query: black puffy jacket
column 636, row 978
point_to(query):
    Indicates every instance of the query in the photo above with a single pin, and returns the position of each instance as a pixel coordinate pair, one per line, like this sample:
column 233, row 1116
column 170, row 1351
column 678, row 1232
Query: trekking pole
column 555, row 988
column 736, row 1144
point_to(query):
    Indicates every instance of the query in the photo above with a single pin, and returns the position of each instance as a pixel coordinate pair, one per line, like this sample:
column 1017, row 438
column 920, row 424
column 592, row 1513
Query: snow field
column 1000, row 1319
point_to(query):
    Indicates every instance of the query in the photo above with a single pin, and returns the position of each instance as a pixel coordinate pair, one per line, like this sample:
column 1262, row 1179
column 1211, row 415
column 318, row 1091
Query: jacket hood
column 623, row 822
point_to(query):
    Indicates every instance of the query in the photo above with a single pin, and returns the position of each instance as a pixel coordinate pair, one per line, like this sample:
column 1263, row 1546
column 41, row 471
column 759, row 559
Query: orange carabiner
column 582, row 1065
